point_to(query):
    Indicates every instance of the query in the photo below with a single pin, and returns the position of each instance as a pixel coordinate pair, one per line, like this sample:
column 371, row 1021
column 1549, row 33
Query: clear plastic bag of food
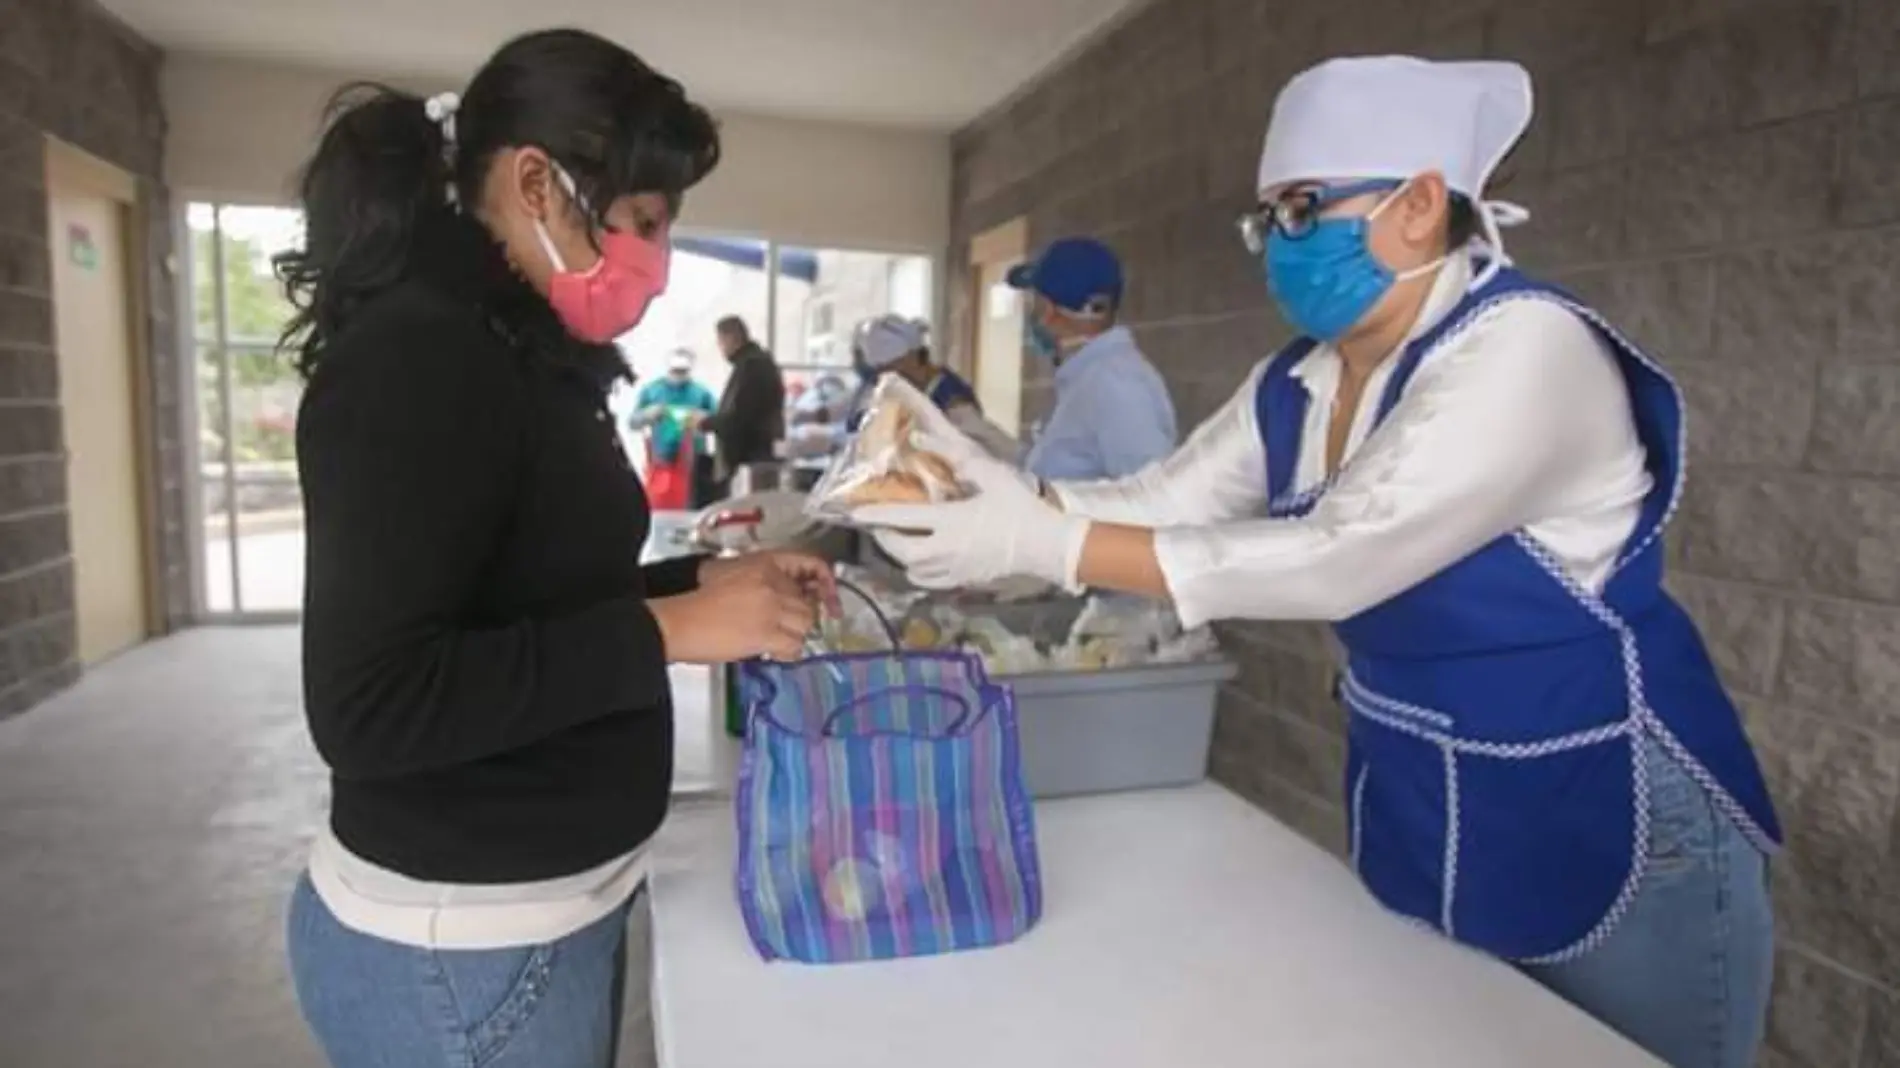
column 885, row 461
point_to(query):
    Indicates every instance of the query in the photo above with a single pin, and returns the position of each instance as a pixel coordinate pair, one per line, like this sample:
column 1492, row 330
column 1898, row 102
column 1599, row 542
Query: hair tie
column 441, row 109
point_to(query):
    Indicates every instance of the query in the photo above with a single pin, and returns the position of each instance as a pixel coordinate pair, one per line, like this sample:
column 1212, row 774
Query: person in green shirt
column 666, row 408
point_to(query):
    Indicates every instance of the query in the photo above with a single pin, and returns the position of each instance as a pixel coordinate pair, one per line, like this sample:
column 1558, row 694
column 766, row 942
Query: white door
column 93, row 316
column 998, row 327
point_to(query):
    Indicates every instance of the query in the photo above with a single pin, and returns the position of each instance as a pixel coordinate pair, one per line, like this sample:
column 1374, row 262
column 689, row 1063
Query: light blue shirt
column 1112, row 415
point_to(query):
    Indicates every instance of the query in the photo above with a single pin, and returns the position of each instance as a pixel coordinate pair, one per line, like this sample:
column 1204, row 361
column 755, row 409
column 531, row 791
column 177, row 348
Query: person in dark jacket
column 485, row 659
column 750, row 421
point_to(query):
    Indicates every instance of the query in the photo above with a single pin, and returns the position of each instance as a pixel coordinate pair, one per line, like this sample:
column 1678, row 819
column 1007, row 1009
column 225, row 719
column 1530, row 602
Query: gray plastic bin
column 1086, row 732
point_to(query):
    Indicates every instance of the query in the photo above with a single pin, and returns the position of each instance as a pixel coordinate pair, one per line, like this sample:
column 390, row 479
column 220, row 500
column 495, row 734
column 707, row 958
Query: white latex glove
column 1005, row 530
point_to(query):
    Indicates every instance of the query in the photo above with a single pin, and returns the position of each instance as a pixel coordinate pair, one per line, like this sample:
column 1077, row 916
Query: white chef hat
column 1399, row 116
column 888, row 339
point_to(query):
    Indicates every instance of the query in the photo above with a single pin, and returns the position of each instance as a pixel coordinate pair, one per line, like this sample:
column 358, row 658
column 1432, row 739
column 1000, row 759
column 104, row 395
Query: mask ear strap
column 547, row 247
column 1390, row 199
column 567, row 183
column 541, row 229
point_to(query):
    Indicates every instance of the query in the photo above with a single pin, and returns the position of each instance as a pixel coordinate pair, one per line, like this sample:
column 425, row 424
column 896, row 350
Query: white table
column 1180, row 928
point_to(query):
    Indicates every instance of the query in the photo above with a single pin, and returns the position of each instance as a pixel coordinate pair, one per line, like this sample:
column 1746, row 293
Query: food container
column 1139, row 724
column 1088, row 732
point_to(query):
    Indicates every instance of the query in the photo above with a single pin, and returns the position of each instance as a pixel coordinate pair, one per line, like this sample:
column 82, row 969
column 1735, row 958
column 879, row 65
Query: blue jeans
column 377, row 1004
column 1686, row 974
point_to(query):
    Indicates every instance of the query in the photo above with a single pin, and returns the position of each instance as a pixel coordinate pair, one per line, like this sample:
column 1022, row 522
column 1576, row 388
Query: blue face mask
column 1038, row 339
column 1327, row 279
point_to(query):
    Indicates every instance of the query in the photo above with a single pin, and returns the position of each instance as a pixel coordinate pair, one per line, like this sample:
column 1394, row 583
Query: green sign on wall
column 80, row 246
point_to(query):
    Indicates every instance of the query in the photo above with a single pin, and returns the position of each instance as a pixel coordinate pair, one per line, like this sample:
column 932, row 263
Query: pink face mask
column 610, row 298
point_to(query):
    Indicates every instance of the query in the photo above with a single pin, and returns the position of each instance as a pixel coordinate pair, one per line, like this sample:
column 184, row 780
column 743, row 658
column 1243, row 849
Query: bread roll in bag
column 884, row 463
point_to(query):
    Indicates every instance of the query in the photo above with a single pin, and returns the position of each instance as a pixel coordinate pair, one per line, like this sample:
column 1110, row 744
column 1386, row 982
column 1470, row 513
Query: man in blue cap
column 1112, row 415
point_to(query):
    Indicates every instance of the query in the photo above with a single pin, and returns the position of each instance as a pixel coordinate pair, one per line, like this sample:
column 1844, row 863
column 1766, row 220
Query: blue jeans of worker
column 1686, row 974
column 377, row 1004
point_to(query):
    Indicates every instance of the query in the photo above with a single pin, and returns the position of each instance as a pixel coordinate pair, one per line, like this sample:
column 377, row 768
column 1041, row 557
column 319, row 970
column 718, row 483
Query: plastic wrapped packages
column 1128, row 617
column 883, row 463
column 892, row 600
column 1009, row 654
column 1095, row 633
column 1116, row 632
column 921, row 634
column 861, row 626
column 1187, row 647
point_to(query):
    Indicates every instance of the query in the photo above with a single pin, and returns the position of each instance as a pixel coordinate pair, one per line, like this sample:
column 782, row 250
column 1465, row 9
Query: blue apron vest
column 950, row 389
column 1493, row 786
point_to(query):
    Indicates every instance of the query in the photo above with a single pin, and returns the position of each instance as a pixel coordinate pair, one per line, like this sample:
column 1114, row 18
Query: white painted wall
column 240, row 129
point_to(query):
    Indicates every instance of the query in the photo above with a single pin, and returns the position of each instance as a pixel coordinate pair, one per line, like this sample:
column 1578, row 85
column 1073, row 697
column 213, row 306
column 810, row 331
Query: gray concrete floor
column 152, row 821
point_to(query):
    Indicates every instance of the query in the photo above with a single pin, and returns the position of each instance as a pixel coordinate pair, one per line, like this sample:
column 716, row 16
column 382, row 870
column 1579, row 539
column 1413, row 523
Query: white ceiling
column 920, row 63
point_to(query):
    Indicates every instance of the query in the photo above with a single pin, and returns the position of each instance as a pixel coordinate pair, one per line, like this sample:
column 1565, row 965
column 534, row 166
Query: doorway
column 249, row 529
column 997, row 323
column 91, row 208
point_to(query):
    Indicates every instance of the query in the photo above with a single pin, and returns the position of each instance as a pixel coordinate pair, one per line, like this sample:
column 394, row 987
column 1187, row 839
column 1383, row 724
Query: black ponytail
column 384, row 169
column 378, row 169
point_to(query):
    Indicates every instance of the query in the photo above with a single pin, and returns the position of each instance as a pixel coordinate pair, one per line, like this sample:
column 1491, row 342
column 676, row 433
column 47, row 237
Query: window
column 825, row 293
column 801, row 303
column 252, row 526
column 910, row 287
column 821, row 334
column 710, row 278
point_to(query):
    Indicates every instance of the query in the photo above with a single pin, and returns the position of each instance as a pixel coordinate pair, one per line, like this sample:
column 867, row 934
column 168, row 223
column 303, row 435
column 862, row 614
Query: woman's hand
column 741, row 613
column 809, row 573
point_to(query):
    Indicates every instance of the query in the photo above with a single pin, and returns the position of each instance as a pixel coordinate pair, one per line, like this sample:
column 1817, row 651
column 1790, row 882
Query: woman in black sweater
column 485, row 659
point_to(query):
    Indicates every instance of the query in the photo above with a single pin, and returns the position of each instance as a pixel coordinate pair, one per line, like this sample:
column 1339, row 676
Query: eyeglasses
column 1296, row 214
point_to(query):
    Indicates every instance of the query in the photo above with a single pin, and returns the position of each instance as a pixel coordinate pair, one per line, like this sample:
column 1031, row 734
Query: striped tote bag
column 881, row 810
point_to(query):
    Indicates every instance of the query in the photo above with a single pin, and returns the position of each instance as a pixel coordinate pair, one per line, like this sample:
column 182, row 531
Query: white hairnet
column 1400, row 116
column 888, row 339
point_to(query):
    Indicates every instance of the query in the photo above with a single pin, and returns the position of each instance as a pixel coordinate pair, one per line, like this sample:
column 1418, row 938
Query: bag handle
column 883, row 621
column 914, row 690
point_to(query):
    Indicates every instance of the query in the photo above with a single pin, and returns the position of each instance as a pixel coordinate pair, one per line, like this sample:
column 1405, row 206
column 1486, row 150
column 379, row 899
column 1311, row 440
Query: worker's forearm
column 1121, row 559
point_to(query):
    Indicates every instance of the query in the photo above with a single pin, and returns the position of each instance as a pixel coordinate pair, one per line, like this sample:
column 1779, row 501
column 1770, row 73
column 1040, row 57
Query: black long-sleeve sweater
column 481, row 670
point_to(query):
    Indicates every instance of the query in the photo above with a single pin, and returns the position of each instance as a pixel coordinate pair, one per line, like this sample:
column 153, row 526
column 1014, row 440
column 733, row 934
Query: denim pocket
column 1682, row 821
column 495, row 992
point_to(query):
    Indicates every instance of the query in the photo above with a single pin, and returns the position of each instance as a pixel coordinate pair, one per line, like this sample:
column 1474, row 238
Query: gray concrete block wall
column 69, row 70
column 1722, row 177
